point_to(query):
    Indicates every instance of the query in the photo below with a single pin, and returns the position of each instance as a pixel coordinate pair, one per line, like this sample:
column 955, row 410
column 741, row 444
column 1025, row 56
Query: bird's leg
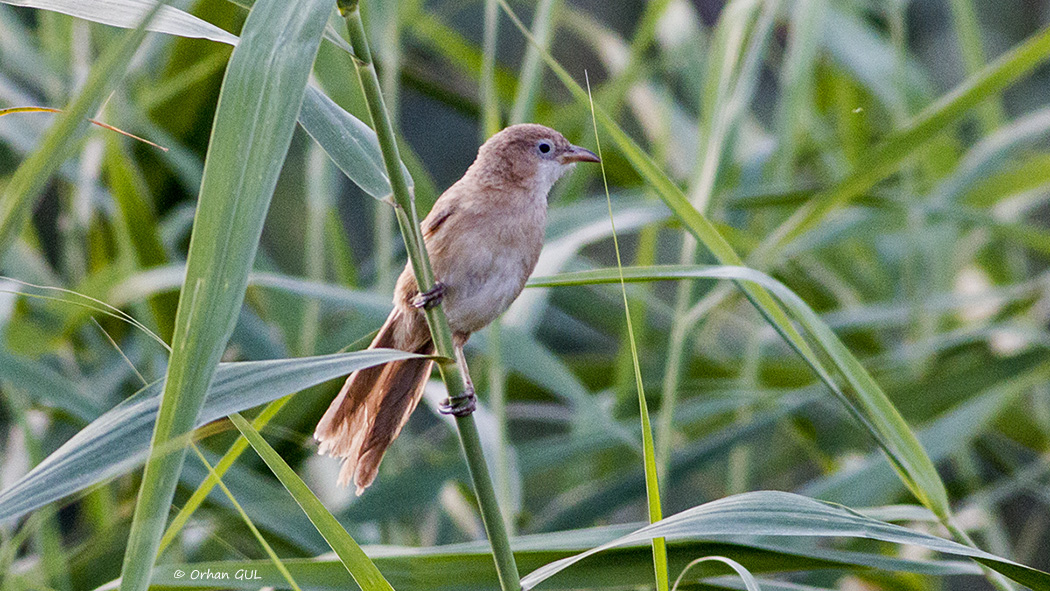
column 467, row 402
column 431, row 297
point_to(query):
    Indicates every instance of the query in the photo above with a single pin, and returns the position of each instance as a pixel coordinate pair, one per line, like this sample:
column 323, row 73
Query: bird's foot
column 431, row 297
column 460, row 406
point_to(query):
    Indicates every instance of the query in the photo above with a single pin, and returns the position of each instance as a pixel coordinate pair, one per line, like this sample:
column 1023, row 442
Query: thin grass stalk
column 615, row 90
column 677, row 345
column 491, row 515
column 797, row 87
column 197, row 498
column 337, row 254
column 740, row 456
column 645, row 255
column 652, row 479
column 389, row 54
column 75, row 220
column 276, row 560
column 137, row 233
column 673, row 369
column 497, row 384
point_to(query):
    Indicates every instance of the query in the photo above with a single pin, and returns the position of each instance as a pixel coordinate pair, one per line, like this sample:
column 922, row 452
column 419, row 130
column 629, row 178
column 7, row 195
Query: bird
column 483, row 236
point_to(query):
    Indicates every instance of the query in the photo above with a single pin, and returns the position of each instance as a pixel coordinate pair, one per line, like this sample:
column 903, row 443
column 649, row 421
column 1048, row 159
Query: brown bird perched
column 483, row 237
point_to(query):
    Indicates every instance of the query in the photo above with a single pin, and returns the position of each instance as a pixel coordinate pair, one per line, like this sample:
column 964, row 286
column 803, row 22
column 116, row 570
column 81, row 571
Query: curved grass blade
column 867, row 403
column 459, row 567
column 259, row 103
column 127, row 13
column 704, row 231
column 118, row 441
column 748, row 579
column 773, row 513
column 350, row 554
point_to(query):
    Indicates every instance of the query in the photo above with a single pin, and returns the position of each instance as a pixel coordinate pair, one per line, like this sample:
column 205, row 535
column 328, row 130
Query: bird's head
column 529, row 156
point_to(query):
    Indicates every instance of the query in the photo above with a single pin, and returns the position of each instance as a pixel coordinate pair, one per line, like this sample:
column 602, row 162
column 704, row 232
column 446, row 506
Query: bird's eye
column 544, row 147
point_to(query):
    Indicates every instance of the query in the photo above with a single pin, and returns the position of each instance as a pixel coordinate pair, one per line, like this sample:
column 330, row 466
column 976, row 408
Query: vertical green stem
column 740, row 455
column 75, row 221
column 498, row 401
column 990, row 112
column 489, row 103
column 797, row 88
column 917, row 261
column 318, row 204
column 407, row 219
column 732, row 94
column 525, row 99
column 389, row 53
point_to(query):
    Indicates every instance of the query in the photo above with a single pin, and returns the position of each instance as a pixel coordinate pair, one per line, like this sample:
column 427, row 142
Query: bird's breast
column 486, row 260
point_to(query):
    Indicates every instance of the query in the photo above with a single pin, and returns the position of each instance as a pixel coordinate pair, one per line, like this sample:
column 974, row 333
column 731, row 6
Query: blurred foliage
column 925, row 251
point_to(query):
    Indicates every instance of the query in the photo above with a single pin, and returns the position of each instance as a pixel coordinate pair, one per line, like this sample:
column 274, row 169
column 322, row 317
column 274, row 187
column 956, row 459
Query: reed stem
column 404, row 207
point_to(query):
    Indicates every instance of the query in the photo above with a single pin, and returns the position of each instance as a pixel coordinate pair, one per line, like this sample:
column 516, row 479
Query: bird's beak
column 578, row 154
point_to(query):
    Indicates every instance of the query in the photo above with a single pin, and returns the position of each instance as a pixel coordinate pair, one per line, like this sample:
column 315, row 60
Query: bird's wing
column 438, row 216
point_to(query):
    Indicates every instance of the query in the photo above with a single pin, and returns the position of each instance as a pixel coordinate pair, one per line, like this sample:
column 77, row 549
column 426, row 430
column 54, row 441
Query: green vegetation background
column 863, row 154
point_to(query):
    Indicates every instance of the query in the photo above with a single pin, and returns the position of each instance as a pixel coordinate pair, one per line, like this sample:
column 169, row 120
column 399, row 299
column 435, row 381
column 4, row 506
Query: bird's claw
column 460, row 406
column 431, row 297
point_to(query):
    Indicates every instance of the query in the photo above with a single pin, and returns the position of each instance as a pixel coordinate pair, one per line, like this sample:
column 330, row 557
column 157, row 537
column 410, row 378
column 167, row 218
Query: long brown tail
column 375, row 403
